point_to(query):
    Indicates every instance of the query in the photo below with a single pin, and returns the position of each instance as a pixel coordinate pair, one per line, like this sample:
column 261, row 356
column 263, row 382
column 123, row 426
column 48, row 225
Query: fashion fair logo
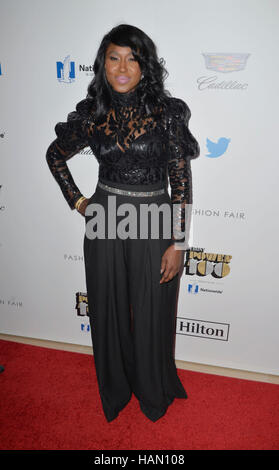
column 128, row 227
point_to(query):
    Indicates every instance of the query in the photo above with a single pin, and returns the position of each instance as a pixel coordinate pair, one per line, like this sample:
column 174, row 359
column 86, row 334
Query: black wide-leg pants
column 132, row 315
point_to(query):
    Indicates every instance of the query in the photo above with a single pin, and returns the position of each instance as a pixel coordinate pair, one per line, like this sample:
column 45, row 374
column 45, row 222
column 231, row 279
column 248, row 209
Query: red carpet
column 50, row 400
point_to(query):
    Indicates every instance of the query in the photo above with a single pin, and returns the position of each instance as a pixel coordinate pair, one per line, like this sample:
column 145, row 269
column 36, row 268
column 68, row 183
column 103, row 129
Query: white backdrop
column 222, row 60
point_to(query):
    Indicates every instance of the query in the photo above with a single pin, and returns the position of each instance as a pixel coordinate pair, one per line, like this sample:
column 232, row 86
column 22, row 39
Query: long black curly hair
column 151, row 87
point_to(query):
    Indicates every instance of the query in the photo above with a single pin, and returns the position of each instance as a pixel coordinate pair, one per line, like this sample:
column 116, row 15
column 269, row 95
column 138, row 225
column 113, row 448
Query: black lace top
column 130, row 146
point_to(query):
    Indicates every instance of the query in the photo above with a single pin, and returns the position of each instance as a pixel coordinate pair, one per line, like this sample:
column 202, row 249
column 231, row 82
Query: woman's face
column 122, row 70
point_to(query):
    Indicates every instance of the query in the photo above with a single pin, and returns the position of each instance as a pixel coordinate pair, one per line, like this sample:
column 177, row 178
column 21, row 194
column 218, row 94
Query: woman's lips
column 122, row 79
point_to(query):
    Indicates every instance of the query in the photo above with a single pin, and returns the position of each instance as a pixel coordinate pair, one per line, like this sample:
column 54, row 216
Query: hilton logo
column 202, row 329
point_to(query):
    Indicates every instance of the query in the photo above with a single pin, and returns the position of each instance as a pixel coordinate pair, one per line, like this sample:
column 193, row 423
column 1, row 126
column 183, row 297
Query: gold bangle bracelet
column 79, row 201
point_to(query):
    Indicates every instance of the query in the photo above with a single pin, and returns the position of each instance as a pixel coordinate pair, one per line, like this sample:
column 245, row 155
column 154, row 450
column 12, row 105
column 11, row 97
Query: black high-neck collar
column 130, row 98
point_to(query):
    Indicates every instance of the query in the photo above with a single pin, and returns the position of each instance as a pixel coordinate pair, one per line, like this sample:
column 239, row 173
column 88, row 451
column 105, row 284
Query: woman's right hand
column 83, row 206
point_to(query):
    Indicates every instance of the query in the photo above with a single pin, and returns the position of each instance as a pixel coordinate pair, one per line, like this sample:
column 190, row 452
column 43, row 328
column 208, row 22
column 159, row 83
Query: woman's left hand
column 171, row 263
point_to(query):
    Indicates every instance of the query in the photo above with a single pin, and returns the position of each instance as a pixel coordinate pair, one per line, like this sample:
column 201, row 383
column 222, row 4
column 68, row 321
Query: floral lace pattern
column 130, row 146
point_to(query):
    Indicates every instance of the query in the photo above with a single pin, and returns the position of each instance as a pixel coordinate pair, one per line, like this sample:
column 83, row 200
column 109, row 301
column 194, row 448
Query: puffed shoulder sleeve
column 183, row 147
column 72, row 136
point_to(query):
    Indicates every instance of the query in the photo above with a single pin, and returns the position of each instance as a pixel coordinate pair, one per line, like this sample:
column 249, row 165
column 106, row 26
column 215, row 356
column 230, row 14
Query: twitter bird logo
column 217, row 149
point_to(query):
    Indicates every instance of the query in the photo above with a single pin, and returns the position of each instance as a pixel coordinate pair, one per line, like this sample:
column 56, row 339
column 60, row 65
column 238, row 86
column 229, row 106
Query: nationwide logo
column 223, row 62
column 66, row 70
column 204, row 264
column 202, row 329
column 85, row 327
column 194, row 288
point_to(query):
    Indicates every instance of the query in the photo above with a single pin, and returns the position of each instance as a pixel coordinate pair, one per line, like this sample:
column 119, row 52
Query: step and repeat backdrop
column 222, row 60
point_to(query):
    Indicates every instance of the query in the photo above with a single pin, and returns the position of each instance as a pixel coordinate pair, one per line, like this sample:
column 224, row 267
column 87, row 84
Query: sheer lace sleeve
column 72, row 136
column 182, row 147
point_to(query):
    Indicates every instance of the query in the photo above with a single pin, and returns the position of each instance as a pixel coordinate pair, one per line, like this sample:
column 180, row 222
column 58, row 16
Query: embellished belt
column 130, row 193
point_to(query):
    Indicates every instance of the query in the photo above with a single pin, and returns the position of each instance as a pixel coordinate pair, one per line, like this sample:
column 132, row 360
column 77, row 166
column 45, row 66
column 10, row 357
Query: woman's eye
column 115, row 58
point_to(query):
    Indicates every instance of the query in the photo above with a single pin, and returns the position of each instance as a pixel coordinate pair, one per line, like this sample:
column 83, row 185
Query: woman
column 139, row 135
